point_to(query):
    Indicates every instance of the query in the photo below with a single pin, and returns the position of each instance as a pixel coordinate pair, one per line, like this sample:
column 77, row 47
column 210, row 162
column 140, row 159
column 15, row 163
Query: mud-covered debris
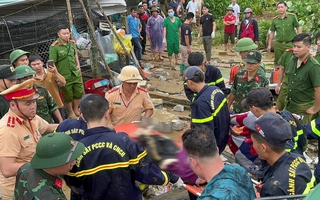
column 177, row 125
column 179, row 108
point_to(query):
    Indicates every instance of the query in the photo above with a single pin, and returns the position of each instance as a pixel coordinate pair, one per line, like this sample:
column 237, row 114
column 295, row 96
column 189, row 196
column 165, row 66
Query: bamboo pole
column 70, row 17
column 121, row 43
column 91, row 28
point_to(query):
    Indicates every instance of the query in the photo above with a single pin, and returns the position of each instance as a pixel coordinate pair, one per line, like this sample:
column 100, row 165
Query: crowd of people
column 40, row 148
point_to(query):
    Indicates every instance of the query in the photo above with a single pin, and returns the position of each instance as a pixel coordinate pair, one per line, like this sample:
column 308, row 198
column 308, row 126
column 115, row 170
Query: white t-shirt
column 236, row 11
column 192, row 7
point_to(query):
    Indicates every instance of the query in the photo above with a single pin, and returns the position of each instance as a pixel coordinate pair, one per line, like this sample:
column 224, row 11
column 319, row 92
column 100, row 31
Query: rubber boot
column 182, row 68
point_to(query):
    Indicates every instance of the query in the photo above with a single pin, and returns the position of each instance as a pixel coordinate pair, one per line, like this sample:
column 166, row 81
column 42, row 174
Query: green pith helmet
column 16, row 54
column 24, row 71
column 245, row 44
column 56, row 149
column 230, row 8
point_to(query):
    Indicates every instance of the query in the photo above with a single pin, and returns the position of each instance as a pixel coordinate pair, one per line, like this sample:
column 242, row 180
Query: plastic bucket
column 88, row 87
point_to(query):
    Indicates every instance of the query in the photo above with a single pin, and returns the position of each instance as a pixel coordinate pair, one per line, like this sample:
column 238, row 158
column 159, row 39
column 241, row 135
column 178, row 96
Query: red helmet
column 248, row 10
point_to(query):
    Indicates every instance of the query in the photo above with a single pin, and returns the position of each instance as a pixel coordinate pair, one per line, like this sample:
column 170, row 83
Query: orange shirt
column 123, row 111
column 49, row 82
column 18, row 138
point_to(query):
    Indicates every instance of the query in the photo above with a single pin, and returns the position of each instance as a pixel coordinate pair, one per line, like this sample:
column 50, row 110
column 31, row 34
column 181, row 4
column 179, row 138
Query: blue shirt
column 231, row 183
column 133, row 24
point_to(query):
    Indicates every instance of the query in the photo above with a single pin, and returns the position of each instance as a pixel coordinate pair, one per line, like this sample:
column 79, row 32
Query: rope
column 5, row 22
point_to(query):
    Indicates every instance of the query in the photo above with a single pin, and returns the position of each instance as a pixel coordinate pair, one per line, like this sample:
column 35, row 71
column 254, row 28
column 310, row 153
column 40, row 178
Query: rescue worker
column 64, row 54
column 209, row 107
column 213, row 76
column 56, row 154
column 111, row 161
column 49, row 78
column 20, row 131
column 8, row 78
column 287, row 26
column 127, row 101
column 225, row 181
column 245, row 80
column 313, row 131
column 260, row 101
column 303, row 72
column 249, row 27
column 243, row 46
column 46, row 106
column 269, row 134
column 19, row 57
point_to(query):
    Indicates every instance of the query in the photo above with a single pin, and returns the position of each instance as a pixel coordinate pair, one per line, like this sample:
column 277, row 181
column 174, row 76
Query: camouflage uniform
column 242, row 87
column 37, row 184
column 45, row 104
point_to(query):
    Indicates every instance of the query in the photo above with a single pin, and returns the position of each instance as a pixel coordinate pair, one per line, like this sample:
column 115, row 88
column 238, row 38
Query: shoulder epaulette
column 291, row 14
column 113, row 89
column 11, row 121
column 54, row 43
column 276, row 17
column 289, row 50
column 143, row 89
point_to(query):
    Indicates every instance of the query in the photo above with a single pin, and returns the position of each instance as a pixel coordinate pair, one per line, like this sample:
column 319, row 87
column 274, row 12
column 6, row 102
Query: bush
column 264, row 26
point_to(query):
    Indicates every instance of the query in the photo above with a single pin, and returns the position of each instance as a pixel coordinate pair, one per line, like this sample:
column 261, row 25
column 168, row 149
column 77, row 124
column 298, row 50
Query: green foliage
column 308, row 13
column 264, row 26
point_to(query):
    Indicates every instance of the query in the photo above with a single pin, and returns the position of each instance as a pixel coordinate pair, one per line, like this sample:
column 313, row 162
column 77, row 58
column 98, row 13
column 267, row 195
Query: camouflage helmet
column 230, row 8
column 56, row 149
column 130, row 74
column 245, row 44
column 14, row 55
column 24, row 71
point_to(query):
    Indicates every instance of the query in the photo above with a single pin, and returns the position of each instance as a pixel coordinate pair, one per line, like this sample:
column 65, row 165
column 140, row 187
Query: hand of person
column 213, row 35
column 189, row 50
column 52, row 68
column 148, row 37
column 198, row 36
column 164, row 40
column 312, row 111
column 277, row 90
column 269, row 48
column 256, row 42
column 141, row 38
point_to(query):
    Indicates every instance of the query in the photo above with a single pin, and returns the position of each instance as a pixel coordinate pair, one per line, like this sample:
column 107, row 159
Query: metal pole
column 91, row 28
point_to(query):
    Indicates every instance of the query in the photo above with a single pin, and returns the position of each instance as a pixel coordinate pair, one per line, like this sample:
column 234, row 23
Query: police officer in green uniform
column 64, row 54
column 8, row 78
column 46, row 106
column 19, row 57
column 56, row 154
column 243, row 46
column 303, row 74
column 282, row 84
column 285, row 25
column 245, row 80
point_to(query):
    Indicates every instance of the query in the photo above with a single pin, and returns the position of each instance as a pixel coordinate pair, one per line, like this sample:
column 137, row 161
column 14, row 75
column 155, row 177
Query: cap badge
column 27, row 70
column 29, row 87
column 133, row 75
column 258, row 127
column 251, row 53
column 12, row 69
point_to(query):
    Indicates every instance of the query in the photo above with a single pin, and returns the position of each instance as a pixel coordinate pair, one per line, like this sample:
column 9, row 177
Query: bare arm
column 164, row 32
column 9, row 167
column 231, row 99
column 51, row 128
column 57, row 114
column 149, row 112
column 299, row 30
column 178, row 11
column 316, row 106
column 270, row 40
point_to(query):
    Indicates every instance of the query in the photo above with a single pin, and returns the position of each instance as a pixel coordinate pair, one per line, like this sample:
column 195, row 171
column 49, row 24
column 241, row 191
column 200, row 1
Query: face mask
column 170, row 14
